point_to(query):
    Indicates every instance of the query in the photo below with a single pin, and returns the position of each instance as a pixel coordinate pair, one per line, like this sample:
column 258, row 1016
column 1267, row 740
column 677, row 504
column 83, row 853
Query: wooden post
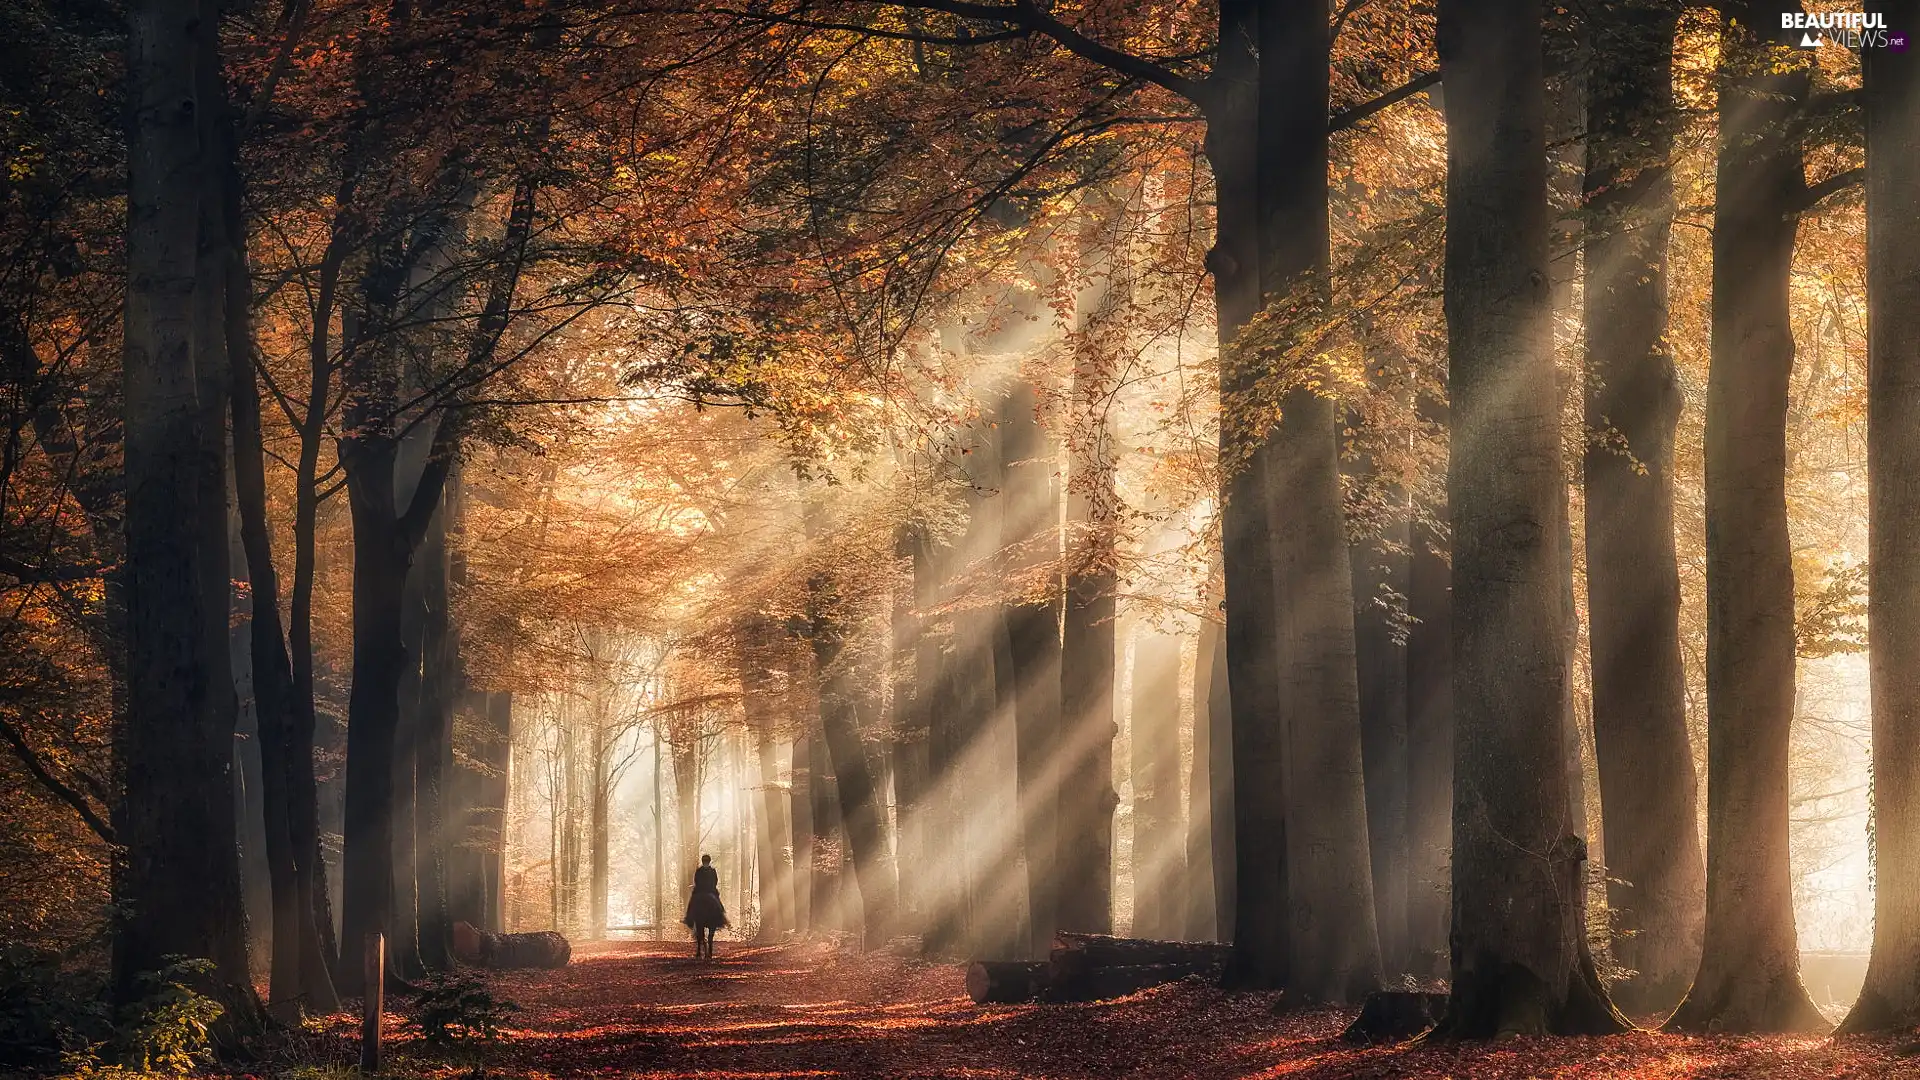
column 376, row 972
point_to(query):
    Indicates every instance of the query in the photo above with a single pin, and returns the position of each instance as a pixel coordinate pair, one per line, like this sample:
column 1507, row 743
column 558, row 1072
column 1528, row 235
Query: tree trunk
column 662, row 897
column 1029, row 528
column 498, row 782
column 181, row 870
column 1379, row 585
column 1259, row 928
column 384, row 543
column 440, row 687
column 1656, row 889
column 1890, row 999
column 1749, row 977
column 861, row 812
column 601, row 794
column 800, row 806
column 1202, row 921
column 1159, row 848
column 299, row 967
column 756, row 692
column 1429, row 737
column 910, row 728
column 1087, row 798
column 1519, row 958
column 1335, row 945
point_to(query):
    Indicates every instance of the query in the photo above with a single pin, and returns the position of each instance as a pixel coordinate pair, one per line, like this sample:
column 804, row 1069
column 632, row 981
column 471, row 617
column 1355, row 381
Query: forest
column 1323, row 538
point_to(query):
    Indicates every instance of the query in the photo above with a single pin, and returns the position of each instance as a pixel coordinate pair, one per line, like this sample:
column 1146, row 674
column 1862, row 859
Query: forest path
column 647, row 1009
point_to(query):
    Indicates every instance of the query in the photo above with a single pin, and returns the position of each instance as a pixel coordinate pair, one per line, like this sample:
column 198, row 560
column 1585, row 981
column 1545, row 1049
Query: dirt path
column 634, row 1010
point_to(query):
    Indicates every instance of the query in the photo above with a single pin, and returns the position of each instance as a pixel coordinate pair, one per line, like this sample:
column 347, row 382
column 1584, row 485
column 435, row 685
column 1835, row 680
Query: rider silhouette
column 706, row 879
column 705, row 912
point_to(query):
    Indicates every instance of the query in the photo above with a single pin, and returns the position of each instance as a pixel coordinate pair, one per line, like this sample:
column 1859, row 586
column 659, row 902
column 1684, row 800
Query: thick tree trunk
column 860, row 808
column 1519, row 952
column 379, row 657
column 384, row 543
column 853, row 779
column 181, row 872
column 1030, row 530
column 1259, row 927
column 1749, row 977
column 1159, row 848
column 1890, row 999
column 1656, row 889
column 1335, row 945
column 1429, row 740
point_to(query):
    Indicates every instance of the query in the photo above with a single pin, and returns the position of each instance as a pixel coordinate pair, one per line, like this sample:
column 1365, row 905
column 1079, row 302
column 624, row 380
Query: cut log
column 1005, row 982
column 1395, row 1015
column 540, row 949
column 1075, row 955
column 1104, row 950
column 1102, row 983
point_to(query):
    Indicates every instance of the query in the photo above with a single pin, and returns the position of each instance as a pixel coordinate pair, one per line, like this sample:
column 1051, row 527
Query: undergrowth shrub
column 458, row 1011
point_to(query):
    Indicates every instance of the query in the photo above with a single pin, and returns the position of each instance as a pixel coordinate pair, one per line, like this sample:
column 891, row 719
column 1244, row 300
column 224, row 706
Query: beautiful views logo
column 1847, row 29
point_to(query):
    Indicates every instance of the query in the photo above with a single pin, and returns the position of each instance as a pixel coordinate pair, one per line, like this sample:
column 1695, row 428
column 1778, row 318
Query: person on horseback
column 705, row 911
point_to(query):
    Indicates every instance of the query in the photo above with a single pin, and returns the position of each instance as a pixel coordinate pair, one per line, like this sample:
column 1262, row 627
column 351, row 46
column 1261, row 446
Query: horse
column 705, row 914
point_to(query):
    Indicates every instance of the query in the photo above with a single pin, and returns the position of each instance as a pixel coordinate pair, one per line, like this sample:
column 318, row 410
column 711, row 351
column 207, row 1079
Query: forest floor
column 631, row 1010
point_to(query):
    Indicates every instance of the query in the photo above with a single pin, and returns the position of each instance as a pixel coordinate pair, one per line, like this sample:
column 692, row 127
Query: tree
column 1890, row 1000
column 1656, row 888
column 181, row 878
column 1335, row 951
column 1029, row 533
column 1519, row 960
column 1749, row 977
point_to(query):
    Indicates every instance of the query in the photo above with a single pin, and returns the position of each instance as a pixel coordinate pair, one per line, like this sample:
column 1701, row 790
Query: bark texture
column 1159, row 847
column 1891, row 997
column 1656, row 889
column 1029, row 532
column 1259, row 926
column 1334, row 939
column 1749, row 977
column 181, row 875
column 1519, row 963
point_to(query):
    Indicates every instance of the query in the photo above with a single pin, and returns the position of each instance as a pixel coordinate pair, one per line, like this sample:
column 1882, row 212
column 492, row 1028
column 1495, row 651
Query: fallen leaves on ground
column 633, row 1010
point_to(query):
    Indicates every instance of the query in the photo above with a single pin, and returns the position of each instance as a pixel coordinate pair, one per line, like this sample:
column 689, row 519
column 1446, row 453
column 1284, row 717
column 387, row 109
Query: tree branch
column 1028, row 16
column 64, row 792
column 1345, row 119
column 1832, row 185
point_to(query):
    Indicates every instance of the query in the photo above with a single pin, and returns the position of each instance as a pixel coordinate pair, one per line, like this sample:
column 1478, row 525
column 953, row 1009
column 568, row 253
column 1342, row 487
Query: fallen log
column 1076, row 957
column 1005, row 982
column 539, row 949
column 1102, row 983
column 1093, row 967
